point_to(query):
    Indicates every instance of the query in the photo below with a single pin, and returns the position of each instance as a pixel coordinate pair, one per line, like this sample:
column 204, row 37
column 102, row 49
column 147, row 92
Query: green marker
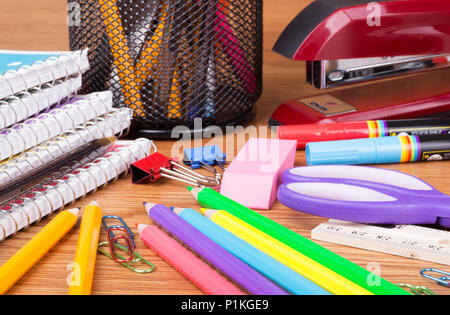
column 209, row 198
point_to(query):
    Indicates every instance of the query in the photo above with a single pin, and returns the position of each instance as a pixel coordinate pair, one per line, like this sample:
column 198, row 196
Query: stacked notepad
column 31, row 82
column 43, row 118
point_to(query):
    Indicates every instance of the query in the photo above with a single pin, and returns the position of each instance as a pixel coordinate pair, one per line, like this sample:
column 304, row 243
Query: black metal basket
column 172, row 61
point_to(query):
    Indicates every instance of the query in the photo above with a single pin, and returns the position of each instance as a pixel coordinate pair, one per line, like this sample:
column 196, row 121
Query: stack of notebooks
column 49, row 132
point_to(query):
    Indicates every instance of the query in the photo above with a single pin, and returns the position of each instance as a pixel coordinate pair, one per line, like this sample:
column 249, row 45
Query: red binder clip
column 157, row 165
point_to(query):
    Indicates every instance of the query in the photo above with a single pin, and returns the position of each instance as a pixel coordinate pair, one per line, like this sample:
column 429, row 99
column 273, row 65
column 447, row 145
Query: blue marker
column 266, row 265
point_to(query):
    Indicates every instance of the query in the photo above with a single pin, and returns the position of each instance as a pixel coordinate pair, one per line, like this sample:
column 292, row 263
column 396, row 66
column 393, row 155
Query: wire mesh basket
column 173, row 61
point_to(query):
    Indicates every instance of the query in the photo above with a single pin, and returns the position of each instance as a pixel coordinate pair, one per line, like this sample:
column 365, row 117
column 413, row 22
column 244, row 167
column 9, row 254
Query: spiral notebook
column 64, row 190
column 116, row 123
column 23, row 105
column 34, row 131
column 21, row 71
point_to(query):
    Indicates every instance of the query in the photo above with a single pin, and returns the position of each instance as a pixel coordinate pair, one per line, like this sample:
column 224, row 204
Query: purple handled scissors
column 364, row 194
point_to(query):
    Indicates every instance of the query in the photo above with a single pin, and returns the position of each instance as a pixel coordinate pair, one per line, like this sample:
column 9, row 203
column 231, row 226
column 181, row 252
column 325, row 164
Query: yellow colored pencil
column 19, row 264
column 84, row 265
column 326, row 278
column 130, row 82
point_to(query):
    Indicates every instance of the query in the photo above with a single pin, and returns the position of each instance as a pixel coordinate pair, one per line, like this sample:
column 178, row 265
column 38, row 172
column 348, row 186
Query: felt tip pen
column 379, row 150
column 363, row 129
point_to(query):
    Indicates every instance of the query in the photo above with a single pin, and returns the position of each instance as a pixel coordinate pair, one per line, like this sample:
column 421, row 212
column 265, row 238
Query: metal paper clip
column 127, row 235
column 136, row 258
column 204, row 156
column 417, row 290
column 444, row 280
column 123, row 225
column 113, row 240
column 157, row 165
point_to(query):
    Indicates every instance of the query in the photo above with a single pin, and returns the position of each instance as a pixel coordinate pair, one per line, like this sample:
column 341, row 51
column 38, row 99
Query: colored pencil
column 223, row 261
column 194, row 269
column 86, row 254
column 266, row 265
column 209, row 198
column 30, row 254
column 307, row 267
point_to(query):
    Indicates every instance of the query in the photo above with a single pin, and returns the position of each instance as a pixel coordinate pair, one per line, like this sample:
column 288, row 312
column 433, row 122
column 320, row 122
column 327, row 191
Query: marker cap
column 358, row 151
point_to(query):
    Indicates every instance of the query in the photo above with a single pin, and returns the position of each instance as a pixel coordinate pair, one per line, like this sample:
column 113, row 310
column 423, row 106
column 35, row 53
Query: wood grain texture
column 41, row 25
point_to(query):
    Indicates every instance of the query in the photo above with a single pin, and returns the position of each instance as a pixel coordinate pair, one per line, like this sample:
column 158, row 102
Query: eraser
column 253, row 177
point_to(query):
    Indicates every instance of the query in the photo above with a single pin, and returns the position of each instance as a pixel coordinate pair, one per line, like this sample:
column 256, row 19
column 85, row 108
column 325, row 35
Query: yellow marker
column 326, row 278
column 121, row 52
column 19, row 264
column 84, row 265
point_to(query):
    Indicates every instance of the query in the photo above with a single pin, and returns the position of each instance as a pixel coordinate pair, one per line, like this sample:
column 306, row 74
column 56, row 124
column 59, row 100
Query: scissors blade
column 353, row 203
column 364, row 194
column 357, row 173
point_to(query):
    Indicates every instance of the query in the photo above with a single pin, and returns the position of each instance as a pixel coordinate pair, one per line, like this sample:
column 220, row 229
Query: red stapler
column 351, row 42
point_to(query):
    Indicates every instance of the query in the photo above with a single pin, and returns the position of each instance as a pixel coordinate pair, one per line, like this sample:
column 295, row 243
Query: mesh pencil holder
column 173, row 61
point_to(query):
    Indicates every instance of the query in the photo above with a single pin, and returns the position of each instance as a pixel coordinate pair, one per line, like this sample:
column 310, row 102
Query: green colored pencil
column 210, row 198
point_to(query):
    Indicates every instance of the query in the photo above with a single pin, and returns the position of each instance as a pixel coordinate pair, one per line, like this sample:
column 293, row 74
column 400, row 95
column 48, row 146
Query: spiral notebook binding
column 51, row 64
column 76, row 62
column 18, row 138
column 69, row 141
column 55, row 194
column 63, row 66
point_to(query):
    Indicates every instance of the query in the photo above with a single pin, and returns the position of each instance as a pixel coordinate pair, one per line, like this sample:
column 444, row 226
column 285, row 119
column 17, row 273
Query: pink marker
column 194, row 269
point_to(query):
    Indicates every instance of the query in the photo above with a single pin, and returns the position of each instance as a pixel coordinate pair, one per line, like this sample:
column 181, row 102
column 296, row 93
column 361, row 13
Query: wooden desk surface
column 41, row 25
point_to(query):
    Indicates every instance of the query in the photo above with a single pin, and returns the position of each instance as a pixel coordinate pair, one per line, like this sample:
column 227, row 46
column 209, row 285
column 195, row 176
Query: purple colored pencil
column 236, row 270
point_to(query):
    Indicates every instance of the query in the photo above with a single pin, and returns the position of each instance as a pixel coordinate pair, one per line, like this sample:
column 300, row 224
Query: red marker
column 362, row 129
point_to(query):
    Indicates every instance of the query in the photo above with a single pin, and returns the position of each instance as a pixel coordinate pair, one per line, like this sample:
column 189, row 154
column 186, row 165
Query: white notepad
column 116, row 123
column 34, row 131
column 56, row 194
column 21, row 70
column 26, row 104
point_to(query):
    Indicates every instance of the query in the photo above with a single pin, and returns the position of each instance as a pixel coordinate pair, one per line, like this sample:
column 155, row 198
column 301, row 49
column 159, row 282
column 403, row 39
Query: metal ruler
column 410, row 241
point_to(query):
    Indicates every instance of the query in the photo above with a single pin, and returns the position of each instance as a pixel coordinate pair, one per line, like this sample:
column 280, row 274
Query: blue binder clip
column 204, row 156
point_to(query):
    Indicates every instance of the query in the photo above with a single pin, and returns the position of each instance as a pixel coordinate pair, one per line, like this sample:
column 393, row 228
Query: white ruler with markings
column 410, row 241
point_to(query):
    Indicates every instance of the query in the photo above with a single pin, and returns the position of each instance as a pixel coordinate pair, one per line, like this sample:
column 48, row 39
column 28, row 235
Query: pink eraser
column 253, row 177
